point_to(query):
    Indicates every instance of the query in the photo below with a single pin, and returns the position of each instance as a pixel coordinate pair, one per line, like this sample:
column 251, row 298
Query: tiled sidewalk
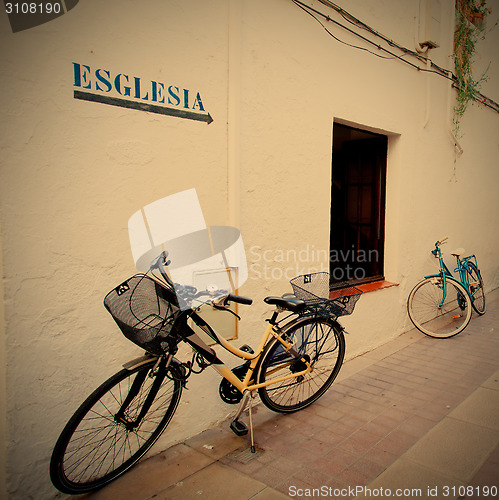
column 417, row 414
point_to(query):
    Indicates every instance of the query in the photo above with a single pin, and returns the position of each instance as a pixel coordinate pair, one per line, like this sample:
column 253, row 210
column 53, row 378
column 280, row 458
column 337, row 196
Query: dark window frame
column 358, row 195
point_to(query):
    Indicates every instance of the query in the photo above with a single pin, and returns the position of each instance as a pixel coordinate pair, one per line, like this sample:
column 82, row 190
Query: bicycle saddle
column 294, row 305
column 457, row 252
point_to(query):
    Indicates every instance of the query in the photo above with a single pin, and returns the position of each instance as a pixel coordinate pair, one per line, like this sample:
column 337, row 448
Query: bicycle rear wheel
column 107, row 435
column 318, row 340
column 436, row 315
column 475, row 286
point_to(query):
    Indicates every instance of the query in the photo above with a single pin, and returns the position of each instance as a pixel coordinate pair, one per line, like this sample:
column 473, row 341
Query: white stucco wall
column 274, row 82
column 3, row 388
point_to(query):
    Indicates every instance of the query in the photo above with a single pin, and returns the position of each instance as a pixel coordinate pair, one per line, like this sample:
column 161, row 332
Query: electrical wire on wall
column 431, row 67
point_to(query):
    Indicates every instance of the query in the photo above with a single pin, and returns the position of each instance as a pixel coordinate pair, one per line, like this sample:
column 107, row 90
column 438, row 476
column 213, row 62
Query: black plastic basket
column 145, row 311
column 314, row 290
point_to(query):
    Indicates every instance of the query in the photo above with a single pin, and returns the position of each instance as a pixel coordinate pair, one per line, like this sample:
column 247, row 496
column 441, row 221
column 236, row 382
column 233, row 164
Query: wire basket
column 145, row 311
column 313, row 289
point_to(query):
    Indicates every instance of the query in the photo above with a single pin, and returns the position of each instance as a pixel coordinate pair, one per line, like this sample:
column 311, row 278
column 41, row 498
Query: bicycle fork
column 159, row 373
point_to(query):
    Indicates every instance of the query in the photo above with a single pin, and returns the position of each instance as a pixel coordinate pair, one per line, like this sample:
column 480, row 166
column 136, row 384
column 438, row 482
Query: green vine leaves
column 470, row 29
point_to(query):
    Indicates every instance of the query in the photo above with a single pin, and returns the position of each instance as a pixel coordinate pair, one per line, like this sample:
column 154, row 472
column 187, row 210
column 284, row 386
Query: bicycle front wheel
column 321, row 343
column 475, row 286
column 439, row 309
column 112, row 430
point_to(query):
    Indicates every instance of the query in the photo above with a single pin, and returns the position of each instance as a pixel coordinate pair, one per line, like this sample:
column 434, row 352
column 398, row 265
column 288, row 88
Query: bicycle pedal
column 238, row 428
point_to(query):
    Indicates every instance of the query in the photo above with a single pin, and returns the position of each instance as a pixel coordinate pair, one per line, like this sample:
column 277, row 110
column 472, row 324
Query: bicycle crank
column 228, row 392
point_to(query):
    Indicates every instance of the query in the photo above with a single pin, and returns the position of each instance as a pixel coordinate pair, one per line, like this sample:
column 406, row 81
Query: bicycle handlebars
column 437, row 244
column 190, row 292
column 239, row 299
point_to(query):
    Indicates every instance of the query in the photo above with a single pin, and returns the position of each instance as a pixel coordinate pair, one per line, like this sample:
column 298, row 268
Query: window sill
column 364, row 287
column 375, row 285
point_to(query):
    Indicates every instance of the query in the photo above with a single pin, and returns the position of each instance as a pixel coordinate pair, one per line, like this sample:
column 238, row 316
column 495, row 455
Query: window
column 357, row 206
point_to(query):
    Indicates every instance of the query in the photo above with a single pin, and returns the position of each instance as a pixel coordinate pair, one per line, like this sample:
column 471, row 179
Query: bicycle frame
column 445, row 273
column 242, row 385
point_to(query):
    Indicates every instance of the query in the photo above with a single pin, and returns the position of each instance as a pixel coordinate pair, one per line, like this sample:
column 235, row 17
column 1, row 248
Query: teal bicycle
column 441, row 305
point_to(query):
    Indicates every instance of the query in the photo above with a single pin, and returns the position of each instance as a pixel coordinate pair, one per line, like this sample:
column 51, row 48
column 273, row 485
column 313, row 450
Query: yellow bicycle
column 296, row 361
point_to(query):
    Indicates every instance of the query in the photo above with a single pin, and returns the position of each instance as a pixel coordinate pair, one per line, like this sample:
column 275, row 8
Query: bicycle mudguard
column 299, row 319
column 142, row 360
column 433, row 276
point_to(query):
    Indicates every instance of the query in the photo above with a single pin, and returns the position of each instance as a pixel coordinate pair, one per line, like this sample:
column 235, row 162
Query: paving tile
column 492, row 382
column 155, row 474
column 411, row 481
column 286, row 466
column 353, row 477
column 365, row 397
column 340, row 387
column 270, row 476
column 486, row 476
column 454, row 448
column 386, row 421
column 215, row 442
column 395, row 414
column 312, row 476
column 308, row 430
column 353, row 366
column 368, row 468
column 299, row 454
column 481, row 408
column 344, row 428
column 340, row 456
column 294, row 487
column 268, row 456
column 329, row 437
column 394, row 444
column 269, row 494
column 375, row 407
column 248, row 468
column 394, row 346
column 380, row 456
column 409, row 404
column 350, row 421
column 416, row 426
column 377, row 428
column 364, row 414
column 330, row 413
column 359, row 442
column 375, row 382
column 215, row 481
column 317, row 447
column 318, row 421
column 291, row 449
column 494, row 456
column 329, row 467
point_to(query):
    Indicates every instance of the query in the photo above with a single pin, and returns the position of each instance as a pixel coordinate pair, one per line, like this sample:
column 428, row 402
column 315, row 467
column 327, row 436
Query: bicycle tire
column 474, row 278
column 94, row 449
column 322, row 340
column 426, row 314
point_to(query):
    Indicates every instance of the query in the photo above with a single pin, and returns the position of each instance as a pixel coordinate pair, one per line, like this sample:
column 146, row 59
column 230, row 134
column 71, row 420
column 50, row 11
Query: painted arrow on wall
column 124, row 103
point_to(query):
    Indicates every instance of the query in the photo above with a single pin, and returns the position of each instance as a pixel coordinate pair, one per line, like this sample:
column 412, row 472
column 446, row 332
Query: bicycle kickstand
column 240, row 428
